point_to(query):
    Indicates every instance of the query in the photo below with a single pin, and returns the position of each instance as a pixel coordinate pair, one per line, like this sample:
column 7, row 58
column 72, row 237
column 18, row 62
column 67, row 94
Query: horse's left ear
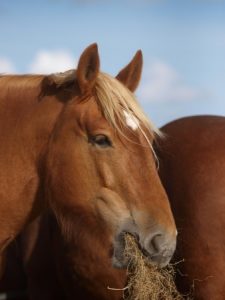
column 131, row 74
column 88, row 68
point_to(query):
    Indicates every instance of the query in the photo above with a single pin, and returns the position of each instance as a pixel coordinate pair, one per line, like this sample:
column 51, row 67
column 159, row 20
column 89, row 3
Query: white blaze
column 131, row 121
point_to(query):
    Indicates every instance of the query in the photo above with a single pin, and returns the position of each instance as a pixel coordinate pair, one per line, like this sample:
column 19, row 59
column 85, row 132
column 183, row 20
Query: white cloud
column 52, row 61
column 6, row 66
column 161, row 83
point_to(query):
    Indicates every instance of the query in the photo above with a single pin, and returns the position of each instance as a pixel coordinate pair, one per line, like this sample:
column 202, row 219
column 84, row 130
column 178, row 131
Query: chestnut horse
column 79, row 144
column 192, row 168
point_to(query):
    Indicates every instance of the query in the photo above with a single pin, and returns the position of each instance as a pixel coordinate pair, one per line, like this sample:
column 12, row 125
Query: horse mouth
column 121, row 260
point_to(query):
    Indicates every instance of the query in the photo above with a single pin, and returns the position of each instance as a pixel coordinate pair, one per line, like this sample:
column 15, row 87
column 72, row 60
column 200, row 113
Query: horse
column 77, row 143
column 191, row 167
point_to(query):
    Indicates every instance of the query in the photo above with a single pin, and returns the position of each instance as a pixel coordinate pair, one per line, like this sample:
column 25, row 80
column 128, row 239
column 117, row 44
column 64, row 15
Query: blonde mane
column 114, row 98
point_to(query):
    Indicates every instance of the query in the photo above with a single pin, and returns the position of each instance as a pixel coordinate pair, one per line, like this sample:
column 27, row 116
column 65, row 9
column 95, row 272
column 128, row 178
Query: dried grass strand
column 146, row 281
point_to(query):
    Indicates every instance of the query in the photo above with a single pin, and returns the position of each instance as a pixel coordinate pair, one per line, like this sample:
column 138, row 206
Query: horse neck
column 29, row 118
column 26, row 124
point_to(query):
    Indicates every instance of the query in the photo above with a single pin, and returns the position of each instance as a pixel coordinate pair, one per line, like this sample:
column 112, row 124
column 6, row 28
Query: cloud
column 162, row 83
column 6, row 66
column 52, row 61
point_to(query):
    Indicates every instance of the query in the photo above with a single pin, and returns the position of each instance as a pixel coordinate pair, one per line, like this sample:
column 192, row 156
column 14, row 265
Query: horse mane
column 113, row 98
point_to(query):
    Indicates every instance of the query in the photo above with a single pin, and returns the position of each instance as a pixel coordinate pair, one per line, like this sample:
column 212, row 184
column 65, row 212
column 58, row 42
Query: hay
column 146, row 281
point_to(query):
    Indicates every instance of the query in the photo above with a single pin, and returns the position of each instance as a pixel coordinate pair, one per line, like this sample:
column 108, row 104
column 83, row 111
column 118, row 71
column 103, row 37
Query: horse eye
column 101, row 141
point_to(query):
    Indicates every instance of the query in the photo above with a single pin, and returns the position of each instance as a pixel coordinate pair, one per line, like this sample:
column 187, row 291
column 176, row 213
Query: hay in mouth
column 144, row 280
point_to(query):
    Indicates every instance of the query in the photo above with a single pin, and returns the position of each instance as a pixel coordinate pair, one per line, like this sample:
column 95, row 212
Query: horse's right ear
column 88, row 69
column 131, row 74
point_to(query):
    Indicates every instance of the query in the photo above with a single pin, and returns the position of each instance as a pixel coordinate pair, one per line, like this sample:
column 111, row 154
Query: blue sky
column 183, row 43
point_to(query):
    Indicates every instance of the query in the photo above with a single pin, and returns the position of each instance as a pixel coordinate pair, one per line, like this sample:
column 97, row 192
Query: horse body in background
column 78, row 144
column 192, row 168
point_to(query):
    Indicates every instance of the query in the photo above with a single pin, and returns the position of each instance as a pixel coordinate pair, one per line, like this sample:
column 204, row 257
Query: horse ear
column 88, row 68
column 131, row 74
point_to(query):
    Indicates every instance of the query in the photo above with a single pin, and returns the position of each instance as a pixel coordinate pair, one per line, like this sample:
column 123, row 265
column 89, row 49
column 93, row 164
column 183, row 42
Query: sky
column 183, row 44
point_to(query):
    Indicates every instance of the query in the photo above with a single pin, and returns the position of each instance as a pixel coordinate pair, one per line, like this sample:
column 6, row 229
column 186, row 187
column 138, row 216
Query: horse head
column 101, row 168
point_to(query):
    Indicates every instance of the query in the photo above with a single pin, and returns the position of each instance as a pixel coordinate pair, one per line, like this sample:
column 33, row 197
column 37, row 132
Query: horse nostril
column 160, row 244
column 160, row 248
column 157, row 242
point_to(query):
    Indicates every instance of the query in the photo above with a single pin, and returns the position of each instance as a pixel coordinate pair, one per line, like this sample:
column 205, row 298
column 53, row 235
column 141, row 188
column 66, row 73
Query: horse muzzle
column 158, row 247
